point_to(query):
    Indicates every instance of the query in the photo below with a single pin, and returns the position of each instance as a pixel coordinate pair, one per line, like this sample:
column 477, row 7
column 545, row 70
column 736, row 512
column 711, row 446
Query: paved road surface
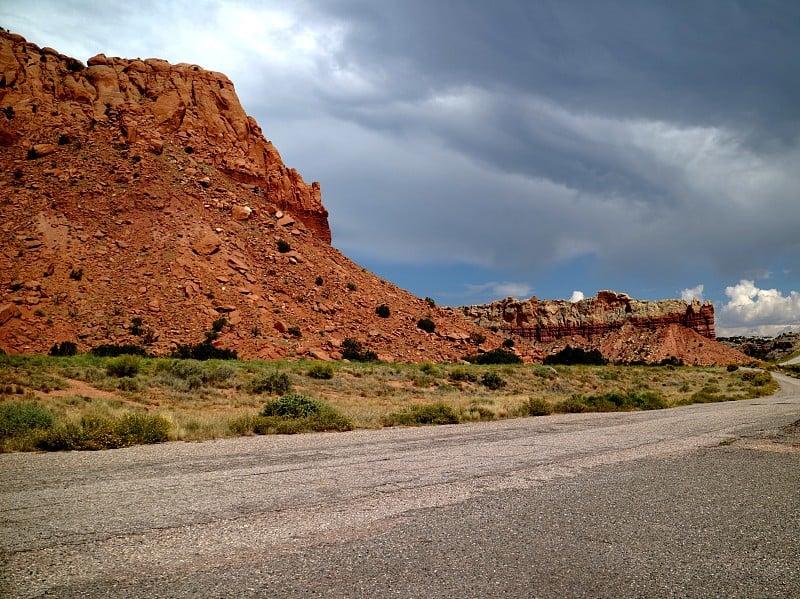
column 691, row 502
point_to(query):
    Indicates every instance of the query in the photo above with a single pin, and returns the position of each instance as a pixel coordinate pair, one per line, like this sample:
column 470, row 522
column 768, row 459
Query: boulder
column 206, row 244
column 7, row 312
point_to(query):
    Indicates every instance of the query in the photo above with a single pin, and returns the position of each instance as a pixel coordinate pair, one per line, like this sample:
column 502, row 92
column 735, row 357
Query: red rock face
column 549, row 320
column 623, row 329
column 143, row 105
column 139, row 204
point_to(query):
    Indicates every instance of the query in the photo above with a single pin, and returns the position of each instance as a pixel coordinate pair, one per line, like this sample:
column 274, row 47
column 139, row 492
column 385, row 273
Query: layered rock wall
column 549, row 320
column 46, row 97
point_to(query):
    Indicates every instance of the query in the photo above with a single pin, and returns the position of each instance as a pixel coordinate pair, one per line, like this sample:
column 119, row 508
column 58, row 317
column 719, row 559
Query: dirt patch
column 784, row 440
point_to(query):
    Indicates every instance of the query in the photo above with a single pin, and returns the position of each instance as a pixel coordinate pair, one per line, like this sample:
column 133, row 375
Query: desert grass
column 206, row 400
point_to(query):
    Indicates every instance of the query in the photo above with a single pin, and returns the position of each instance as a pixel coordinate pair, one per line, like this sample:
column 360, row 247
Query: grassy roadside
column 90, row 402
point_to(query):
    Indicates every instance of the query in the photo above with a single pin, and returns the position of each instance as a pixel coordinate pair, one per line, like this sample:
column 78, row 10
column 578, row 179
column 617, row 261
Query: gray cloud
column 659, row 140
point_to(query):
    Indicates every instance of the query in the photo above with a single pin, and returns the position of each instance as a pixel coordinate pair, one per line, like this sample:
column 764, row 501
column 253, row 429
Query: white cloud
column 754, row 311
column 576, row 296
column 691, row 293
column 502, row 289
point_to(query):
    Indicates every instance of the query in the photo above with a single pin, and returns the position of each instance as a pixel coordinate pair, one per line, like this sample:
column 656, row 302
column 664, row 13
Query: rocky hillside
column 622, row 328
column 772, row 349
column 141, row 204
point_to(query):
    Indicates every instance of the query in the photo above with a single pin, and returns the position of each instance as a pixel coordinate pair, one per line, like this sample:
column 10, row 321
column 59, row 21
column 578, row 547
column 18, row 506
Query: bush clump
column 284, row 246
column 435, row 413
column 193, row 374
column 113, row 351
column 536, row 406
column 493, row 381
column 93, row 433
column 293, row 405
column 613, row 401
column 63, row 349
column 383, row 311
column 426, row 324
column 273, row 383
column 575, row 355
column 320, row 371
column 204, row 351
column 123, row 366
column 495, row 356
column 290, row 414
column 459, row 375
column 20, row 418
column 353, row 350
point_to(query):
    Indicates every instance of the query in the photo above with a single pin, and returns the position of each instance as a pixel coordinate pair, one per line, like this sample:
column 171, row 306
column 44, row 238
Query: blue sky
column 470, row 151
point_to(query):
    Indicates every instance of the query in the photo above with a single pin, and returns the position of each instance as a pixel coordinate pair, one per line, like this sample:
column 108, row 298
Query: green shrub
column 545, row 372
column 383, row 311
column 508, row 343
column 757, row 378
column 275, row 383
column 575, row 355
column 536, row 406
column 428, row 368
column 478, row 412
column 353, row 350
column 495, row 356
column 296, row 413
column 351, row 286
column 65, row 348
column 76, row 274
column 93, row 433
column 573, row 405
column 204, row 351
column 128, row 384
column 292, row 405
column 430, row 301
column 113, row 351
column 18, row 418
column 476, row 338
column 321, row 371
column 426, row 324
column 435, row 413
column 124, row 365
column 614, row 401
column 284, row 246
column 136, row 428
column 294, row 331
column 219, row 324
column 493, row 381
column 458, row 375
column 137, row 326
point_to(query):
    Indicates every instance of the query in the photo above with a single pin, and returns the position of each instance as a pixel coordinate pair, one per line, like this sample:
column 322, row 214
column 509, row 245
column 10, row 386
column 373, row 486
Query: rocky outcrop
column 545, row 321
column 140, row 205
column 49, row 99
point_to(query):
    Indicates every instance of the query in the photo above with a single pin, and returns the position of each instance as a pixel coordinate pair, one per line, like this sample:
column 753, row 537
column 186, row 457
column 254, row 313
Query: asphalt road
column 696, row 501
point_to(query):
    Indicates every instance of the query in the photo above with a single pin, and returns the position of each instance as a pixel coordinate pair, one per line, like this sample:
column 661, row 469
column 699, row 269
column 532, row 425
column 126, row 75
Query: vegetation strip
column 88, row 401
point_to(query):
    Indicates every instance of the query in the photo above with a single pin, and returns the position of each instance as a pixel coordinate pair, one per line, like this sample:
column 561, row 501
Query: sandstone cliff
column 140, row 204
column 623, row 329
column 143, row 105
column 548, row 320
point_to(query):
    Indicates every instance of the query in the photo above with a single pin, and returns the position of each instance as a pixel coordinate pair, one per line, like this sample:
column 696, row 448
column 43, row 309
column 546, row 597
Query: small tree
column 383, row 311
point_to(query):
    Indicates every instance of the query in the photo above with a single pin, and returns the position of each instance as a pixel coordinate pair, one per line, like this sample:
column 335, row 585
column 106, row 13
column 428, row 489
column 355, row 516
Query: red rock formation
column 140, row 204
column 548, row 320
column 146, row 104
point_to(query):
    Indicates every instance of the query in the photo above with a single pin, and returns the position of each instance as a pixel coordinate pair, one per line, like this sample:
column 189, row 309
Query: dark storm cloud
column 717, row 62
